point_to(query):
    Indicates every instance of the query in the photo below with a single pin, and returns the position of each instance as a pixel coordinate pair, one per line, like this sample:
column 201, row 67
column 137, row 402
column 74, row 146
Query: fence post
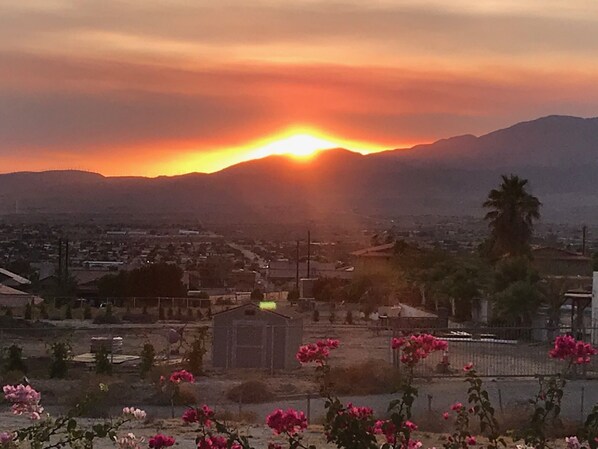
column 430, row 403
column 240, row 401
column 308, row 408
column 500, row 400
column 583, row 394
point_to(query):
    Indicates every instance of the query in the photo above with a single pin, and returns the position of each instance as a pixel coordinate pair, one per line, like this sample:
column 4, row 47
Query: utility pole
column 308, row 254
column 584, row 230
column 297, row 266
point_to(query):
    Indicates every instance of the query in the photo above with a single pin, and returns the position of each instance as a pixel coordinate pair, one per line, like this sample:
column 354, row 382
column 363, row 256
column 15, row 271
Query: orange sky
column 166, row 87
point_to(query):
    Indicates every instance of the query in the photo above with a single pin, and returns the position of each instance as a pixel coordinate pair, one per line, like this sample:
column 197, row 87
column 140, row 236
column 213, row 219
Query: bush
column 28, row 311
column 349, row 319
column 293, row 295
column 332, row 317
column 43, row 312
column 250, row 392
column 316, row 316
column 87, row 312
column 369, row 377
column 103, row 365
column 194, row 358
column 170, row 313
column 161, row 316
column 8, row 312
column 148, row 355
column 199, row 314
column 60, row 353
column 144, row 310
column 13, row 360
column 257, row 295
column 68, row 313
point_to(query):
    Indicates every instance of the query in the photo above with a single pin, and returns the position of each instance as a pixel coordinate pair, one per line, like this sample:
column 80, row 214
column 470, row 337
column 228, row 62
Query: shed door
column 249, row 345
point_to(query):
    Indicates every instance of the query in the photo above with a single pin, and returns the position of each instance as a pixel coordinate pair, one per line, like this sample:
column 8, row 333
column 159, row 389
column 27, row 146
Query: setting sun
column 300, row 145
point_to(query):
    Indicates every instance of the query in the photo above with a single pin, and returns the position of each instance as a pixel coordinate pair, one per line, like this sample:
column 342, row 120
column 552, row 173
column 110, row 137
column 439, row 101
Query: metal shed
column 249, row 337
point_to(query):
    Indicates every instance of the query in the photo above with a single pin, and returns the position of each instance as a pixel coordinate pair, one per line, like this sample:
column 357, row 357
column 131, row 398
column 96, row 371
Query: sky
column 166, row 87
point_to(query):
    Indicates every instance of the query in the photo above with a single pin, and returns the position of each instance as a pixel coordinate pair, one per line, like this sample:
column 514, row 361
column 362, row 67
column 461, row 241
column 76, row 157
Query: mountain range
column 558, row 154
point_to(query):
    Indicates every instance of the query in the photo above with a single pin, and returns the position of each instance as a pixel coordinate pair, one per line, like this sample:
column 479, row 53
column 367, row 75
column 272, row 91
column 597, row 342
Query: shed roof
column 256, row 307
column 15, row 277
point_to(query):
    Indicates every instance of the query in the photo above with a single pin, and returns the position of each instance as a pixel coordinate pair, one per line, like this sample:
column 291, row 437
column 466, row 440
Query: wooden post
column 500, row 400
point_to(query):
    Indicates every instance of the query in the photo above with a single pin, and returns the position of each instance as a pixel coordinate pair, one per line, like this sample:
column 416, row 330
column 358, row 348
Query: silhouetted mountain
column 559, row 156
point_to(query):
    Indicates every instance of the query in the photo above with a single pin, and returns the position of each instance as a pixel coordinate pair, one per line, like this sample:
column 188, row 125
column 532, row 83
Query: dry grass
column 250, row 392
column 369, row 377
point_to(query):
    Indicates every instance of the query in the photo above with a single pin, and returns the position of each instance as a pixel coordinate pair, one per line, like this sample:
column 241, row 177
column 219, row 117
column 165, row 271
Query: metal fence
column 496, row 352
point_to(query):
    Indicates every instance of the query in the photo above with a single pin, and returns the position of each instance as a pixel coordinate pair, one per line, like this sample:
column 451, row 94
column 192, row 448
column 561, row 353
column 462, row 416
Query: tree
column 257, row 295
column 511, row 216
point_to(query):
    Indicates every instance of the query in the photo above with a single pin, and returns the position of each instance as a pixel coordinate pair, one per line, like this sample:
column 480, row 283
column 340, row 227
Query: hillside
column 558, row 154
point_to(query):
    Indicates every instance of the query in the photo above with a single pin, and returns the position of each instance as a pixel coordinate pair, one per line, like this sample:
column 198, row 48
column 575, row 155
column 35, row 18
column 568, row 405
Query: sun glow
column 300, row 145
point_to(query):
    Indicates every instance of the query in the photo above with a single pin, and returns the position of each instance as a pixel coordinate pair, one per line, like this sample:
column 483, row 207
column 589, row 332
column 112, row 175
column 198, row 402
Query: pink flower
column 159, row 441
column 445, row 415
column 24, row 399
column 274, row 446
column 201, row 415
column 414, row 444
column 457, row 406
column 216, row 442
column 468, row 367
column 181, row 376
column 471, row 440
column 6, row 438
column 388, row 429
column 291, row 421
column 410, row 425
column 129, row 441
column 136, row 413
column 575, row 351
column 417, row 347
column 316, row 352
column 359, row 412
column 572, row 443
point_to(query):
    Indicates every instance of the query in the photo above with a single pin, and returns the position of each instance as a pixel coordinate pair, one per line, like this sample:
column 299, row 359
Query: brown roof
column 549, row 252
column 385, row 250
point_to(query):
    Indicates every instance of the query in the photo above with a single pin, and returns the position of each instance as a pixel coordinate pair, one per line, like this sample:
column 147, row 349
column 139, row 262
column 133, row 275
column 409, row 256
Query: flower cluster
column 386, row 428
column 418, row 347
column 136, row 413
column 6, row 439
column 576, row 351
column 216, row 442
column 316, row 352
column 160, row 441
column 358, row 412
column 291, row 421
column 129, row 441
column 572, row 443
column 24, row 399
column 202, row 415
column 181, row 376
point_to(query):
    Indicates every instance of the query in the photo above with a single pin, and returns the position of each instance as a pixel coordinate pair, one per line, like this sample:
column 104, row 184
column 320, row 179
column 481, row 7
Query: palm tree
column 513, row 211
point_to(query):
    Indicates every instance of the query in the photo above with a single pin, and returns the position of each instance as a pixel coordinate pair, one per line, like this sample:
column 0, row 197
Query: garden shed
column 249, row 337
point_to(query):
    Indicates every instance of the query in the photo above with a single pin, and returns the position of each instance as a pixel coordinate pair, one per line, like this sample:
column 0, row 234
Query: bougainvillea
column 290, row 422
column 181, row 376
column 24, row 399
column 575, row 351
column 316, row 352
column 417, row 347
column 160, row 441
column 202, row 415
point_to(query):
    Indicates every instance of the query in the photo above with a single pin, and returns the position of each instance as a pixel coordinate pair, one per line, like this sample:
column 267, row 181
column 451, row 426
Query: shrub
column 161, row 316
column 316, row 316
column 250, row 392
column 349, row 318
column 8, row 312
column 103, row 365
column 199, row 314
column 170, row 313
column 257, row 295
column 293, row 295
column 107, row 317
column 148, row 355
column 68, row 313
column 144, row 310
column 28, row 311
column 87, row 312
column 369, row 377
column 332, row 317
column 13, row 360
column 43, row 312
column 60, row 353
column 194, row 358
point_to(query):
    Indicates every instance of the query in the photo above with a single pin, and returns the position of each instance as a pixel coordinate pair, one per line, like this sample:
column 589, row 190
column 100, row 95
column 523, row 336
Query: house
column 557, row 262
column 249, row 337
column 13, row 298
column 11, row 279
column 285, row 271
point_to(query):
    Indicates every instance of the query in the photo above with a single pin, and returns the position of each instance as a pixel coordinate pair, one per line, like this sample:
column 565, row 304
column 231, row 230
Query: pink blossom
column 216, row 442
column 445, row 415
column 274, row 446
column 388, row 429
column 24, row 399
column 471, row 440
column 6, row 438
column 575, row 351
column 359, row 412
column 410, row 425
column 457, row 406
column 129, row 441
column 202, row 415
column 136, row 413
column 160, row 441
column 414, row 444
column 468, row 367
column 316, row 352
column 181, row 376
column 417, row 347
column 291, row 421
column 572, row 443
